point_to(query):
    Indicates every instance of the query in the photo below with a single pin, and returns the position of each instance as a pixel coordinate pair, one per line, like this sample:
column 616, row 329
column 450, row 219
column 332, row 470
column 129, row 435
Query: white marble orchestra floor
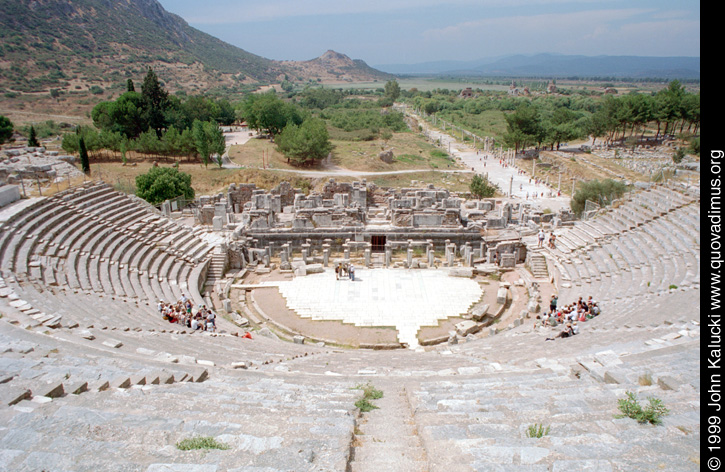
column 405, row 299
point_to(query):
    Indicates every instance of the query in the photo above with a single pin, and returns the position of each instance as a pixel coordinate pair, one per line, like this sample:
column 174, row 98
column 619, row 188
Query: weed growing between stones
column 200, row 442
column 369, row 393
column 537, row 431
column 631, row 408
column 645, row 380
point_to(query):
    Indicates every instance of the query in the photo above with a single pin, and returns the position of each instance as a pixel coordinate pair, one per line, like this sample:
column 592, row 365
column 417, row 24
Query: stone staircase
column 537, row 264
column 217, row 266
column 386, row 438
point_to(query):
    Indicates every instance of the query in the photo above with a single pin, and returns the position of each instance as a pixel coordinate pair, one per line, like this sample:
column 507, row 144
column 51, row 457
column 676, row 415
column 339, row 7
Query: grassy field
column 453, row 182
column 410, row 149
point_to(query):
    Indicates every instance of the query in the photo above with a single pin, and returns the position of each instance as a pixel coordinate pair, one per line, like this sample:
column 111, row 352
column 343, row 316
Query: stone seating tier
column 84, row 251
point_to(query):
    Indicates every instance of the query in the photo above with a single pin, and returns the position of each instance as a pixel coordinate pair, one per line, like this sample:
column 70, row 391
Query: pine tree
column 129, row 86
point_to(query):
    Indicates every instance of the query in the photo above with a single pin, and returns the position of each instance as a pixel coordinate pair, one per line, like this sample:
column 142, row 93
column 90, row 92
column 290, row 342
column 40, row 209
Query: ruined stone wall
column 239, row 194
column 286, row 193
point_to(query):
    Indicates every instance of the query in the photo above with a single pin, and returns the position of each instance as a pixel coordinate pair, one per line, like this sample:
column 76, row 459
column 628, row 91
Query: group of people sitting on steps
column 181, row 312
column 569, row 315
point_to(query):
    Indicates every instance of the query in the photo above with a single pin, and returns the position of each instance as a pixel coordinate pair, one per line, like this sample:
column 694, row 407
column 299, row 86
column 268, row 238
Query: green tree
column 266, row 112
column 6, row 129
column 524, row 127
column 200, row 141
column 126, row 115
column 32, row 138
column 481, row 187
column 163, row 183
column 304, row 144
column 392, row 89
column 129, row 86
column 209, row 140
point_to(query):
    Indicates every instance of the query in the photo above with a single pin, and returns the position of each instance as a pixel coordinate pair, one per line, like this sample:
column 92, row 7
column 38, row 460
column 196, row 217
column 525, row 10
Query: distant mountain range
column 556, row 65
column 92, row 45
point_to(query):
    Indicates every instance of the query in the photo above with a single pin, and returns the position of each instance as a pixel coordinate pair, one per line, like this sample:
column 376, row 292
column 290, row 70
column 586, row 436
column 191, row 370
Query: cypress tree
column 155, row 101
column 32, row 138
column 129, row 86
column 85, row 163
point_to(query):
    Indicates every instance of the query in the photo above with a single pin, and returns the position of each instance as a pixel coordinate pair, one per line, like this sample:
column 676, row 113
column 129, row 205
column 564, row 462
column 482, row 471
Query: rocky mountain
column 93, row 46
column 335, row 67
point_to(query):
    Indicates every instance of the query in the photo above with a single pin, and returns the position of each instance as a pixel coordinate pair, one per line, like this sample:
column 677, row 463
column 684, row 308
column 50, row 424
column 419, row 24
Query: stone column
column 305, row 252
column 346, row 251
column 368, row 251
column 388, row 255
column 468, row 254
column 325, row 254
column 410, row 257
column 450, row 254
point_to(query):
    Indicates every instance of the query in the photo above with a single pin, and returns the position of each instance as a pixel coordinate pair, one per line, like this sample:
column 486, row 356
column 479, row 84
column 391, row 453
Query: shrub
column 537, row 431
column 603, row 193
column 631, row 408
column 200, row 442
column 163, row 183
column 679, row 155
column 369, row 393
column 481, row 187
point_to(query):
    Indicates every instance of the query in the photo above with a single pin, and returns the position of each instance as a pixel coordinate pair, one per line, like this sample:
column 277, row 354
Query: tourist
column 567, row 332
column 337, row 272
column 352, row 272
column 553, row 302
column 542, row 236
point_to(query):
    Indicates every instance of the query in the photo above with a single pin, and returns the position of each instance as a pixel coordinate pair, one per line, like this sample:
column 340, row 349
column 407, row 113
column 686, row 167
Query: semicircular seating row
column 647, row 246
column 95, row 240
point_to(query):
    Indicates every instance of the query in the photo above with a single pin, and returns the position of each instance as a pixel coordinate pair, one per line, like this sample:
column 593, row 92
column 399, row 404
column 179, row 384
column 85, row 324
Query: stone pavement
column 406, row 299
column 498, row 173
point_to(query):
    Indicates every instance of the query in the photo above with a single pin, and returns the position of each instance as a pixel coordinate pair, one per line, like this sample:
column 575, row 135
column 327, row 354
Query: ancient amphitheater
column 92, row 379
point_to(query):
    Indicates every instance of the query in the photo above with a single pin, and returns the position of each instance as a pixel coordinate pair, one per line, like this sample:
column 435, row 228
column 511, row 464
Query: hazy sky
column 412, row 31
